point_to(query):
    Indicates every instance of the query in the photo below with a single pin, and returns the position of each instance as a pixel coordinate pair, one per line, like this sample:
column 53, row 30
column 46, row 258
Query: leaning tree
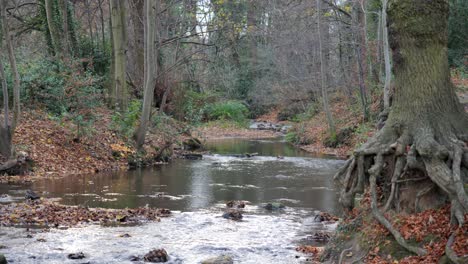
column 421, row 153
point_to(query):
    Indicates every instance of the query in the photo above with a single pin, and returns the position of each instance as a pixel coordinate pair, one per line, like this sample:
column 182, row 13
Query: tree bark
column 119, row 42
column 14, row 68
column 151, row 69
column 386, row 50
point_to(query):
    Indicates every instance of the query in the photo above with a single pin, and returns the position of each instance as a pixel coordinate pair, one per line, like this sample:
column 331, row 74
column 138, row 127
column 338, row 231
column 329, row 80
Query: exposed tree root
column 343, row 253
column 451, row 254
column 400, row 163
column 374, row 172
column 388, row 158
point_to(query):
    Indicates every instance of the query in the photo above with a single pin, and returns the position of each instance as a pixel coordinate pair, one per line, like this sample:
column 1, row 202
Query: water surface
column 196, row 191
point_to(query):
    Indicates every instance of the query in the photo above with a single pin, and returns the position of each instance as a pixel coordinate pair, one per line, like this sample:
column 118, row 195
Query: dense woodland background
column 207, row 60
column 212, row 59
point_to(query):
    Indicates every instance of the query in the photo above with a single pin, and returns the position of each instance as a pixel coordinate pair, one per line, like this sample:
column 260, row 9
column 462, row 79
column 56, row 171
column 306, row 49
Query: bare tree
column 151, row 68
column 14, row 68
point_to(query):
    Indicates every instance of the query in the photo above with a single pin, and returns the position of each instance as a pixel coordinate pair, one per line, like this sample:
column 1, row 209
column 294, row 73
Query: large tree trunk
column 426, row 133
column 151, row 69
column 14, row 69
column 118, row 35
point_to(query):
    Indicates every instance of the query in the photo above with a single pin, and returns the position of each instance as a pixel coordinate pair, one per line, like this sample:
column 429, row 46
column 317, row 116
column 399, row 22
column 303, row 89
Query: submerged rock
column 135, row 258
column 219, row 260
column 156, row 256
column 233, row 215
column 79, row 255
column 192, row 144
column 30, row 195
column 325, row 217
column 236, row 204
column 3, row 259
column 274, row 206
column 192, row 156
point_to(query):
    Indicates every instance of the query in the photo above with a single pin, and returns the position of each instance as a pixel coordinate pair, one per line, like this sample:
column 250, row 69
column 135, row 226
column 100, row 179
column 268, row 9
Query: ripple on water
column 188, row 237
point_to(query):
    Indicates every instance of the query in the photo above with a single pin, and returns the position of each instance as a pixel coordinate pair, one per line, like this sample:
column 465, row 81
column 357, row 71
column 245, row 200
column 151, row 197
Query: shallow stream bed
column 196, row 192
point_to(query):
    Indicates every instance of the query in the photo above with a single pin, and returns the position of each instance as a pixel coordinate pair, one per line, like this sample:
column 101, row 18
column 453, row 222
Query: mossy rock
column 3, row 259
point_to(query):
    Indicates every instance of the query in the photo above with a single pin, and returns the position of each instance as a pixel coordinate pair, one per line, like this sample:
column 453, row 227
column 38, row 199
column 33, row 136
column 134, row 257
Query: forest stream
column 196, row 192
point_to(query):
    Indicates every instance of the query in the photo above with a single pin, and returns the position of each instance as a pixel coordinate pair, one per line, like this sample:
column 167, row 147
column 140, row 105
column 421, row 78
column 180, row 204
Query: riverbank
column 53, row 148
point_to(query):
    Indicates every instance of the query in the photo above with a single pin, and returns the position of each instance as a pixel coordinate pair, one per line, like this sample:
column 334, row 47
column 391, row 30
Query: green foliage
column 193, row 106
column 228, row 110
column 95, row 58
column 298, row 135
column 59, row 87
column 67, row 91
column 126, row 123
column 291, row 137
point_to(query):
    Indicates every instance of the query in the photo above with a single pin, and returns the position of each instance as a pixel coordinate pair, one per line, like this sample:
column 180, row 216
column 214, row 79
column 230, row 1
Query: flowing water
column 196, row 192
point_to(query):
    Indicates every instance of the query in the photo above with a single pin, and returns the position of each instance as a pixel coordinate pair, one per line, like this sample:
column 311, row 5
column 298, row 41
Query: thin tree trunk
column 323, row 78
column 360, row 52
column 14, row 69
column 90, row 21
column 54, row 31
column 111, row 89
column 386, row 50
column 103, row 30
column 251, row 27
column 5, row 132
column 151, row 69
column 118, row 35
column 65, row 41
column 379, row 47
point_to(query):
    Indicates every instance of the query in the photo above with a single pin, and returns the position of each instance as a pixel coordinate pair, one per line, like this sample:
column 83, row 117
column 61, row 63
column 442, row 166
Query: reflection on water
column 187, row 185
column 196, row 191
